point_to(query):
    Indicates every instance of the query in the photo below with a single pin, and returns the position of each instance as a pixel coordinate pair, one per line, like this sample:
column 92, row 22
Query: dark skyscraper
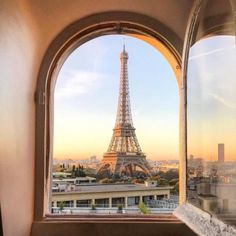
column 221, row 153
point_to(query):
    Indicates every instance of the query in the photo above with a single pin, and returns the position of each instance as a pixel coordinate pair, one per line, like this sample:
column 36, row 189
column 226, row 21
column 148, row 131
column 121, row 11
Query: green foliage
column 93, row 207
column 80, row 171
column 61, row 177
column 120, row 207
column 137, row 181
column 129, row 181
column 163, row 182
column 143, row 208
column 169, row 175
column 175, row 190
column 61, row 206
column 58, row 168
column 177, row 187
column 106, row 181
column 173, row 182
column 116, row 177
column 90, row 172
column 154, row 178
column 77, row 171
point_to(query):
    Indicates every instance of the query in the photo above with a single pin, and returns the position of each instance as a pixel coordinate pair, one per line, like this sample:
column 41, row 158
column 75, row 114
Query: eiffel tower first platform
column 124, row 155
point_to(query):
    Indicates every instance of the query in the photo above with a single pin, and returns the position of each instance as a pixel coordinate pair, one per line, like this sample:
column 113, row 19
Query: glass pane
column 211, row 112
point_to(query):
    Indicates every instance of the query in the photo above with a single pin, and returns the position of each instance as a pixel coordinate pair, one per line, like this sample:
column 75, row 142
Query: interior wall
column 52, row 16
column 17, row 82
column 26, row 30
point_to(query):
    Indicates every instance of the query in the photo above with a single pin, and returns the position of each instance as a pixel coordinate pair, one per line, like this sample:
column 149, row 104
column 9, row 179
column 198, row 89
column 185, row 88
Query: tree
column 93, row 207
column 106, row 181
column 173, row 181
column 143, row 208
column 82, row 173
column 120, row 208
column 169, row 175
column 79, row 172
column 61, row 206
column 163, row 182
column 154, row 178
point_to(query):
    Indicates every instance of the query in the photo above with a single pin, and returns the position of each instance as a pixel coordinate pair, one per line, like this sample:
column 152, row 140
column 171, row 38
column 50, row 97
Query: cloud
column 76, row 82
column 199, row 55
column 223, row 101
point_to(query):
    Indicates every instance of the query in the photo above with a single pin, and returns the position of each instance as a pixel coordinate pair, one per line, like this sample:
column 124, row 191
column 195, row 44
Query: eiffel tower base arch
column 120, row 164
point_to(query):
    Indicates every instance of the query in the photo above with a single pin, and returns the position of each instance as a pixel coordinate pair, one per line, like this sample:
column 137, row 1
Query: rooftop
column 97, row 188
column 73, row 179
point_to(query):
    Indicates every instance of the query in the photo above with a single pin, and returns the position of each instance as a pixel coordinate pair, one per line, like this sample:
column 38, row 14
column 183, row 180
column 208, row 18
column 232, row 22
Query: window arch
column 133, row 24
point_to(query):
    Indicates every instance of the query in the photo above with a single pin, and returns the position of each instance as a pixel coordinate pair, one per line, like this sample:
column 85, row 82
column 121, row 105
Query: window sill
column 114, row 225
column 112, row 218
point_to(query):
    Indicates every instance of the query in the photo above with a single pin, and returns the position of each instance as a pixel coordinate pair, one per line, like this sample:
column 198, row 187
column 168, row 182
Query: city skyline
column 86, row 97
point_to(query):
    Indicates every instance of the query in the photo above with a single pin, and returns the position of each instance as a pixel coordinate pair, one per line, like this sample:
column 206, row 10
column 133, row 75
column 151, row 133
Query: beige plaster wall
column 17, row 82
column 52, row 16
column 26, row 29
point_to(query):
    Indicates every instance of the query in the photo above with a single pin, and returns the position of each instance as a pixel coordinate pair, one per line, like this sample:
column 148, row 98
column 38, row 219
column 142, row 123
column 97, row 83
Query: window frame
column 197, row 219
column 133, row 24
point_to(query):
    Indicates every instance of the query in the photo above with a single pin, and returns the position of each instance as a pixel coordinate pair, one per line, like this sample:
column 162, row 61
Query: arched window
column 127, row 86
column 59, row 50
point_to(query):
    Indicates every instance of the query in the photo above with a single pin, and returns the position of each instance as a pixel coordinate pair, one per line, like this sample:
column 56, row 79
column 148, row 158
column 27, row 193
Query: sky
column 211, row 97
column 86, row 98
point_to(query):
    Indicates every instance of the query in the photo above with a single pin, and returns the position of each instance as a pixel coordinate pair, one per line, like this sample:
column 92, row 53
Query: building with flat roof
column 110, row 195
column 61, row 174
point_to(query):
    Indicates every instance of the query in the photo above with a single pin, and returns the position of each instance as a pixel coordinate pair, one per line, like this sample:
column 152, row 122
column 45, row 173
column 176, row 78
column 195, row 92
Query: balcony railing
column 154, row 206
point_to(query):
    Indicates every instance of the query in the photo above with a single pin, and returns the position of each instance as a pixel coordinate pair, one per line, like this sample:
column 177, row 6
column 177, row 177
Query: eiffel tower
column 124, row 155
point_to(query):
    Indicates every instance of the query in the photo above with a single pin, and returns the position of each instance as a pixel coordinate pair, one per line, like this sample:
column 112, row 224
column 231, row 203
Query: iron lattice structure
column 124, row 153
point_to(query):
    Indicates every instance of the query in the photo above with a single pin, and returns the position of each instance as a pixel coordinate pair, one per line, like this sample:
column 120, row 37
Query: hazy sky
column 212, row 97
column 86, row 98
